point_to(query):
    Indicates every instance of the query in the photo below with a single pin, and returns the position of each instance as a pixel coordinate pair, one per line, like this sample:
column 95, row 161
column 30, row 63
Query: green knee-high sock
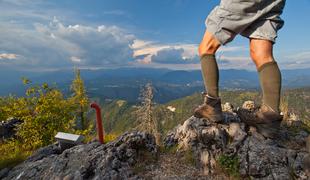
column 210, row 74
column 270, row 80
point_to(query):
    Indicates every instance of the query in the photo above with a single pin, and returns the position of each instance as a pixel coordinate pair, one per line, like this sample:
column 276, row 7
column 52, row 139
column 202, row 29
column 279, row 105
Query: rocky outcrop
column 7, row 128
column 89, row 161
column 258, row 157
column 231, row 146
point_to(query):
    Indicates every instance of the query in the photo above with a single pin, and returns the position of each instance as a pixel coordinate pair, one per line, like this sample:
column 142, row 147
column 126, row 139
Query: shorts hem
column 217, row 35
column 262, row 37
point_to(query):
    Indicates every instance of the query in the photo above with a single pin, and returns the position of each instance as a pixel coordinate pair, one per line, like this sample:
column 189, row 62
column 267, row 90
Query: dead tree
column 146, row 120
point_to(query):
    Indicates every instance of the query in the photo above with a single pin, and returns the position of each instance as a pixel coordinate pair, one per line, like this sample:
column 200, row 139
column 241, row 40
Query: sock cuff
column 205, row 94
column 208, row 56
column 211, row 97
column 272, row 63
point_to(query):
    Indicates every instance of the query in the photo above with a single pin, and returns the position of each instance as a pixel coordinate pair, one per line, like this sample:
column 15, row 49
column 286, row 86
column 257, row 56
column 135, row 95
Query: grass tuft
column 230, row 165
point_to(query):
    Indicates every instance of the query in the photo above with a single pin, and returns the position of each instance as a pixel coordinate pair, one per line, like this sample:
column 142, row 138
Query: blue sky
column 61, row 34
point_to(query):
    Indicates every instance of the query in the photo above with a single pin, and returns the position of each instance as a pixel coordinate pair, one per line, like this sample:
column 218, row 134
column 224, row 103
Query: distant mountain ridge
column 125, row 83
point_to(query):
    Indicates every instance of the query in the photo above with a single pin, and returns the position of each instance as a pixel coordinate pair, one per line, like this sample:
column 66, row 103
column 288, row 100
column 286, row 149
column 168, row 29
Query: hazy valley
column 125, row 83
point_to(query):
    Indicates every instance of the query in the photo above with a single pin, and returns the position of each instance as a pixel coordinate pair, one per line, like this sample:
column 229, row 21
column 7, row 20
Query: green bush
column 44, row 111
column 229, row 164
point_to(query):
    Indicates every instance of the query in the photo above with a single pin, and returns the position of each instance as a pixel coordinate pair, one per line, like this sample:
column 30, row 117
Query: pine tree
column 79, row 97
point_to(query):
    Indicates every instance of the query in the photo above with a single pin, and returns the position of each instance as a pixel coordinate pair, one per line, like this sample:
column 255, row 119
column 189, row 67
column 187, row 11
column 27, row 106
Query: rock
column 41, row 153
column 249, row 105
column 229, row 113
column 207, row 140
column 308, row 144
column 87, row 161
column 4, row 172
column 227, row 107
column 258, row 157
column 7, row 128
column 230, row 117
column 293, row 120
column 306, row 162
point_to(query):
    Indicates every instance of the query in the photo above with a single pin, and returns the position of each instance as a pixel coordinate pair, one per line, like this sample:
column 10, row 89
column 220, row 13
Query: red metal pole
column 99, row 122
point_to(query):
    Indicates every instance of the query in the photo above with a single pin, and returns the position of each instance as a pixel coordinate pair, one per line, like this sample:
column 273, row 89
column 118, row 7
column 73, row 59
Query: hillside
column 119, row 115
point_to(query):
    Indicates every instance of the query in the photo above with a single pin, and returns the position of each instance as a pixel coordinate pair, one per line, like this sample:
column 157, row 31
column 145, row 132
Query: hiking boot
column 265, row 119
column 211, row 109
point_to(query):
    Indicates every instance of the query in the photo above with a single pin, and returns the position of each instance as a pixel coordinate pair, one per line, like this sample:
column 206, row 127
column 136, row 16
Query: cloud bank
column 8, row 56
column 32, row 39
column 56, row 45
column 172, row 56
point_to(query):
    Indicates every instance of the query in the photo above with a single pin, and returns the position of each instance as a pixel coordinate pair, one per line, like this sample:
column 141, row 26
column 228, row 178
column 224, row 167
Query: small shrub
column 12, row 154
column 109, row 137
column 229, row 164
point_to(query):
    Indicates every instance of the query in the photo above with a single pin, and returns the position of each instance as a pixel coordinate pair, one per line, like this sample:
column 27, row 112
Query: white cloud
column 75, row 59
column 233, row 59
column 232, row 49
column 21, row 2
column 8, row 56
column 139, row 44
column 294, row 60
column 146, row 51
column 24, row 11
column 235, row 62
column 151, row 48
column 305, row 55
column 172, row 55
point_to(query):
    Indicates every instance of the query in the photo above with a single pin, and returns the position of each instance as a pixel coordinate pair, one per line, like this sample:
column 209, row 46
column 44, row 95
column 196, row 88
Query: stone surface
column 7, row 128
column 227, row 107
column 249, row 105
column 293, row 120
column 259, row 157
column 88, row 161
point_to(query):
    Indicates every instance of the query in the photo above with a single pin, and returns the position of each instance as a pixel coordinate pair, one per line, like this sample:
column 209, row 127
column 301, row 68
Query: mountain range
column 126, row 83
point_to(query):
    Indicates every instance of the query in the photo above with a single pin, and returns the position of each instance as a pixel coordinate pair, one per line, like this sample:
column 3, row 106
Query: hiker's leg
column 209, row 44
column 261, row 51
column 269, row 73
column 209, row 68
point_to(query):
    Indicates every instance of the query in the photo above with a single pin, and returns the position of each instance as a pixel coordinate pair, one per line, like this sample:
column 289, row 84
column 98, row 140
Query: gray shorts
column 258, row 19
